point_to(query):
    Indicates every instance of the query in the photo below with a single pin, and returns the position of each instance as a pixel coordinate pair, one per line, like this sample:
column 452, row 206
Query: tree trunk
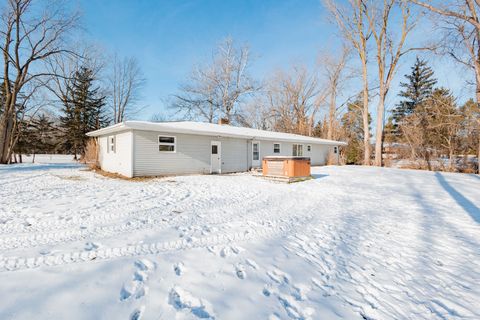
column 366, row 124
column 379, row 130
column 6, row 131
column 450, row 159
column 478, row 151
column 477, row 95
column 331, row 115
column 427, row 158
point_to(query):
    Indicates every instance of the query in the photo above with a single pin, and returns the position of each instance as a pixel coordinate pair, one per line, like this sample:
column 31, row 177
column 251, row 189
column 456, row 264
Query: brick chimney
column 223, row 121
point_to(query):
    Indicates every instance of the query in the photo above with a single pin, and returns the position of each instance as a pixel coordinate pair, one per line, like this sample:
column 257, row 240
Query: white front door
column 255, row 154
column 216, row 157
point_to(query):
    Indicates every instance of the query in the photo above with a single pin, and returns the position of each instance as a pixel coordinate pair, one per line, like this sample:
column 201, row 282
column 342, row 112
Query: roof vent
column 223, row 121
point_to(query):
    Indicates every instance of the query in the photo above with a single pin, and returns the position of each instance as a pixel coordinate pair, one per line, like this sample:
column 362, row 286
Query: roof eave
column 129, row 125
column 104, row 131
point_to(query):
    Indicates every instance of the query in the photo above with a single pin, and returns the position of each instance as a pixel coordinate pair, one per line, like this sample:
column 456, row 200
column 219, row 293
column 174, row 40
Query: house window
column 276, row 148
column 297, row 150
column 111, row 144
column 335, row 150
column 309, row 148
column 166, row 144
column 256, row 151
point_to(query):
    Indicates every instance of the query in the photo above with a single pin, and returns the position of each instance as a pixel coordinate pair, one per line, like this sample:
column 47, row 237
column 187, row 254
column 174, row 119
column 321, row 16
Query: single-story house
column 140, row 148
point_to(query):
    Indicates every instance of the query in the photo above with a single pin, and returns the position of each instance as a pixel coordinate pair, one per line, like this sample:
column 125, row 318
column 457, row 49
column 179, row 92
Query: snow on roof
column 210, row 129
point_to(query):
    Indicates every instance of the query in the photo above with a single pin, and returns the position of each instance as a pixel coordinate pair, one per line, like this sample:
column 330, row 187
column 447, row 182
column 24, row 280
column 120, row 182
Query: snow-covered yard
column 353, row 242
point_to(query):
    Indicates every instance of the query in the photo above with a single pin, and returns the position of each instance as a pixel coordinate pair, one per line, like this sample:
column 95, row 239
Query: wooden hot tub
column 286, row 168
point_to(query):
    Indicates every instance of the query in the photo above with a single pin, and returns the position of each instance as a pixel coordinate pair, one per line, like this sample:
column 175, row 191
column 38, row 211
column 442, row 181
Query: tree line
column 329, row 101
column 54, row 90
column 44, row 71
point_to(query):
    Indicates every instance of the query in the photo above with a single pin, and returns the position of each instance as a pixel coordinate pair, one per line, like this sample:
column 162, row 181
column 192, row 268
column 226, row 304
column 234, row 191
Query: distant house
column 138, row 148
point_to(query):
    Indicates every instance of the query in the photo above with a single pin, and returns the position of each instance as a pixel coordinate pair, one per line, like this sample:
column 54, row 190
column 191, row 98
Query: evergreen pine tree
column 43, row 130
column 84, row 111
column 419, row 87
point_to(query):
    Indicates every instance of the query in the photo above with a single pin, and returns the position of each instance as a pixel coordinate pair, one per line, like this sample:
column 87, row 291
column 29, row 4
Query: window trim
column 174, row 144
column 279, row 147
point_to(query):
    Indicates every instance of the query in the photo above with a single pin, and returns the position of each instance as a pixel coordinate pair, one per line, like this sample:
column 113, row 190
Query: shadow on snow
column 36, row 167
column 466, row 204
column 318, row 176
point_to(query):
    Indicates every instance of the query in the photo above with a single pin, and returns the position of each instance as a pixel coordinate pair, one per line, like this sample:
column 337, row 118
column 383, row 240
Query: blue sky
column 168, row 37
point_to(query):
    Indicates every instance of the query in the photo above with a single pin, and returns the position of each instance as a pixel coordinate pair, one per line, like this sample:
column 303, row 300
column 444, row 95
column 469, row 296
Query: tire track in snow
column 266, row 231
column 100, row 232
column 156, row 219
column 84, row 218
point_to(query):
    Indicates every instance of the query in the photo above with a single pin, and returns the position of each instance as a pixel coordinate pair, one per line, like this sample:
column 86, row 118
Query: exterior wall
column 119, row 161
column 192, row 155
column 318, row 154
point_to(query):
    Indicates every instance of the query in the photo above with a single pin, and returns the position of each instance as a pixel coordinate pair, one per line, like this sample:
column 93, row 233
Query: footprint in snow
column 278, row 276
column 240, row 271
column 141, row 291
column 252, row 264
column 229, row 250
column 137, row 288
column 267, row 291
column 144, row 265
column 127, row 291
column 225, row 252
column 179, row 268
column 140, row 276
column 89, row 246
column 181, row 300
column 137, row 313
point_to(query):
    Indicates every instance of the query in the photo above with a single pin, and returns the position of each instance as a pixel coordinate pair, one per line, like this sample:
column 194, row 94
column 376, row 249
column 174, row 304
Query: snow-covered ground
column 352, row 243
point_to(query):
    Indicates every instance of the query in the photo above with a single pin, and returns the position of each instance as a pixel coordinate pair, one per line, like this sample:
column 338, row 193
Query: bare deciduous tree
column 126, row 81
column 354, row 26
column 295, row 98
column 334, row 68
column 30, row 32
column 388, row 53
column 463, row 31
column 217, row 89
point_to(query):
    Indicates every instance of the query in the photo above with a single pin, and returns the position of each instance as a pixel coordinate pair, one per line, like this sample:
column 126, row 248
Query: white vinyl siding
column 192, row 154
column 137, row 153
column 115, row 153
